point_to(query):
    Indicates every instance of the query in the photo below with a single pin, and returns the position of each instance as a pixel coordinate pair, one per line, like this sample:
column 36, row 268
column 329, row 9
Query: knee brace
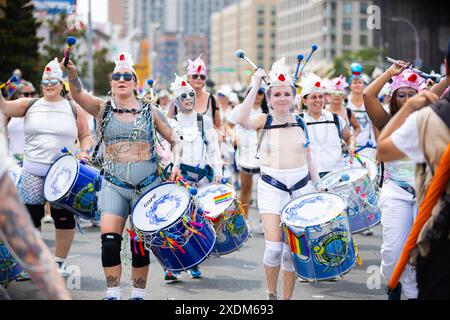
column 287, row 264
column 64, row 219
column 111, row 243
column 137, row 259
column 36, row 213
column 272, row 253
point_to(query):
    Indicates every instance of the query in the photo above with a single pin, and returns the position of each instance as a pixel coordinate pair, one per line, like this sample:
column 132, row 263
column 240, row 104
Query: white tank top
column 16, row 136
column 49, row 127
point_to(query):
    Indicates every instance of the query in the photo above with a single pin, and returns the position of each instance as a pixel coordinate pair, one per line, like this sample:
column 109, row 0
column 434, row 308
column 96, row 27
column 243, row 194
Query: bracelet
column 390, row 72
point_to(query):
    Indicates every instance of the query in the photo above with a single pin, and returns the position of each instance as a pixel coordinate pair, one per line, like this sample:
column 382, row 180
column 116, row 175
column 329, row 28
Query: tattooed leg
column 139, row 276
column 17, row 230
column 112, row 275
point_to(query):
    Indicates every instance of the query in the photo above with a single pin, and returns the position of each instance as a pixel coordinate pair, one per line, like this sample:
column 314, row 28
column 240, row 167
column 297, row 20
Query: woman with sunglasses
column 336, row 88
column 127, row 129
column 287, row 168
column 200, row 164
column 50, row 124
column 326, row 129
column 398, row 196
column 205, row 102
column 246, row 157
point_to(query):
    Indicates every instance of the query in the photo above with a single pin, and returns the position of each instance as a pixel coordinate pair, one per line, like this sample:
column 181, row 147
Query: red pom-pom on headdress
column 317, row 84
column 183, row 84
column 412, row 77
column 281, row 77
column 199, row 69
column 338, row 83
column 122, row 57
column 48, row 69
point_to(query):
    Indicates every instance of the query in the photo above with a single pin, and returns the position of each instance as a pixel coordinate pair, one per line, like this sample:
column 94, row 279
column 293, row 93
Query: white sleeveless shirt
column 48, row 127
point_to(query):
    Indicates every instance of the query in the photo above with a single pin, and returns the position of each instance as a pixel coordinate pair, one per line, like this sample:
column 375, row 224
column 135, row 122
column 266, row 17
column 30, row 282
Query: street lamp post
column 418, row 62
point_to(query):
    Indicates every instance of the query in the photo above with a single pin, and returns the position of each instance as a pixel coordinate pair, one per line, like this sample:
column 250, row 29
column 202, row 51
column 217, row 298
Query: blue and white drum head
column 334, row 179
column 60, row 178
column 312, row 209
column 215, row 198
column 15, row 173
column 160, row 207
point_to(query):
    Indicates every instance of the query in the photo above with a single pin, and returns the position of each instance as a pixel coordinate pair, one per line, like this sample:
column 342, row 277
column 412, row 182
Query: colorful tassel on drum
column 357, row 157
column 358, row 257
column 173, row 243
column 136, row 239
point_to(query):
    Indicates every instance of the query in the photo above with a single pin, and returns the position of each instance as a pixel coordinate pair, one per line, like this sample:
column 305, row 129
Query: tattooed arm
column 87, row 101
column 17, row 229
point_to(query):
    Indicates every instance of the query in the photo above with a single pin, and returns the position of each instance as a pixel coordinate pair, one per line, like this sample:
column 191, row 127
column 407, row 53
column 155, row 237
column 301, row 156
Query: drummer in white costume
column 51, row 123
column 287, row 169
column 397, row 199
column 356, row 104
column 200, row 164
column 326, row 129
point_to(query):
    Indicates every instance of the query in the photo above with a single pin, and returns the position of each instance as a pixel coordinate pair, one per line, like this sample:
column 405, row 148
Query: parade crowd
column 172, row 172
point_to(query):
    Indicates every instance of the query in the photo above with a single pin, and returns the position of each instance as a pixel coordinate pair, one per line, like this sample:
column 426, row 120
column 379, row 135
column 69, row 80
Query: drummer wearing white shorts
column 51, row 123
column 326, row 130
column 287, row 169
column 200, row 164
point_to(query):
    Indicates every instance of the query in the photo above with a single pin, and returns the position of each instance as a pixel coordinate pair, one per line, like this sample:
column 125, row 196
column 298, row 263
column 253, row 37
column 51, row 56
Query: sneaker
column 236, row 186
column 171, row 276
column 367, row 232
column 61, row 266
column 136, row 299
column 195, row 272
column 95, row 223
column 111, row 298
column 48, row 219
column 271, row 296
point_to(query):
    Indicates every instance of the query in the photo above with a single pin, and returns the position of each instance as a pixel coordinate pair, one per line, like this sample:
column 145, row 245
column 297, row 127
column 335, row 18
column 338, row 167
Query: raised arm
column 374, row 108
column 15, row 108
column 87, row 101
column 243, row 117
column 439, row 88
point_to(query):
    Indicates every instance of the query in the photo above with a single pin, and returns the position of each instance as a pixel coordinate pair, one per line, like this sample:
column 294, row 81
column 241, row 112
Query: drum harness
column 107, row 114
column 271, row 180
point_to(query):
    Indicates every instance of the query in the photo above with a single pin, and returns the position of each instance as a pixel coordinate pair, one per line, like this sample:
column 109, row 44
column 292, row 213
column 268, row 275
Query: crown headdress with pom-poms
column 338, row 84
column 407, row 79
column 311, row 83
column 279, row 75
column 124, row 60
column 198, row 66
column 53, row 70
column 179, row 86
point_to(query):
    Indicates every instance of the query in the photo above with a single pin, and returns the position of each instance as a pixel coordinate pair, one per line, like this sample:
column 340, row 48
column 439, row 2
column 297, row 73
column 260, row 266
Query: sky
column 99, row 10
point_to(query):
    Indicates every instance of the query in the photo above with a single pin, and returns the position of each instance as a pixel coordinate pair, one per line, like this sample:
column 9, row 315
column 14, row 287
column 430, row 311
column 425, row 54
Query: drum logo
column 61, row 180
column 155, row 219
column 331, row 249
column 85, row 199
column 291, row 213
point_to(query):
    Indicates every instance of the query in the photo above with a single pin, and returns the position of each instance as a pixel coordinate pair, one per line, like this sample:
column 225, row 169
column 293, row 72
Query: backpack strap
column 302, row 124
column 213, row 105
column 349, row 114
column 32, row 102
column 269, row 120
column 201, row 127
column 338, row 126
column 74, row 108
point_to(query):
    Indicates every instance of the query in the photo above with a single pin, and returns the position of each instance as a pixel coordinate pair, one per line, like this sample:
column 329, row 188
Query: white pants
column 398, row 212
column 271, row 199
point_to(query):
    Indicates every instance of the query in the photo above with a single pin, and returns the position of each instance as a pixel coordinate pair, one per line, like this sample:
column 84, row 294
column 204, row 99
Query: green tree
column 18, row 41
column 103, row 67
column 367, row 57
column 57, row 41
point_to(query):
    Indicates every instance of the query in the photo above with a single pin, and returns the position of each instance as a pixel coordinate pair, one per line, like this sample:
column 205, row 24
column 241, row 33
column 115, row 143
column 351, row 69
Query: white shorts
column 272, row 200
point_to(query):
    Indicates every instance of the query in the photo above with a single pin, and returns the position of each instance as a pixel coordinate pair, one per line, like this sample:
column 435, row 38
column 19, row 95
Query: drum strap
column 408, row 189
column 206, row 172
column 141, row 185
column 279, row 185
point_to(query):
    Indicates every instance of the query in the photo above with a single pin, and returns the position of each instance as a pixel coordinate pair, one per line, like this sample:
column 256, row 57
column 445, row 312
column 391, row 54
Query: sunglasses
column 404, row 95
column 185, row 95
column 196, row 76
column 126, row 76
column 337, row 93
column 52, row 82
column 28, row 94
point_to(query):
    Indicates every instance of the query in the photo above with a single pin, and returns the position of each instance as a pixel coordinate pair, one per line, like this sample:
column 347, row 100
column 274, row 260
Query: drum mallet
column 435, row 77
column 70, row 43
column 369, row 144
column 152, row 91
column 313, row 49
column 182, row 182
column 344, row 178
column 241, row 55
column 11, row 80
column 299, row 62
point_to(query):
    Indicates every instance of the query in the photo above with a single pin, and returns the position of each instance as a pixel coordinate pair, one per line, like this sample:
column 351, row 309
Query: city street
column 237, row 276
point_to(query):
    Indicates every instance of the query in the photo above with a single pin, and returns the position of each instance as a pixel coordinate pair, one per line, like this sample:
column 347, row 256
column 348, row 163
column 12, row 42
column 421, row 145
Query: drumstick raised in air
column 344, row 178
